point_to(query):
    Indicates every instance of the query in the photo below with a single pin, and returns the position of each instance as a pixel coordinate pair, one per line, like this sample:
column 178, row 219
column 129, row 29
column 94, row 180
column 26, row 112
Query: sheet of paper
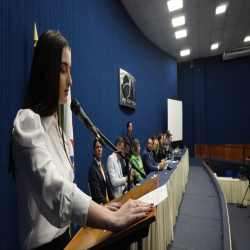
column 156, row 196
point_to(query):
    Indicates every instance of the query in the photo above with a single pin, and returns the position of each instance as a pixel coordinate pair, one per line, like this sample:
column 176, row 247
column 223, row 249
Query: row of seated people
column 162, row 143
column 107, row 185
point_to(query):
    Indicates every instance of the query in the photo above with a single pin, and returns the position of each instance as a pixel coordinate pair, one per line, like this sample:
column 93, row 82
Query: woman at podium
column 48, row 200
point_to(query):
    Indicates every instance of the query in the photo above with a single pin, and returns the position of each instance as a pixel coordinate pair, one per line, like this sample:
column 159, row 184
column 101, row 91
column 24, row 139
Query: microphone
column 128, row 155
column 77, row 111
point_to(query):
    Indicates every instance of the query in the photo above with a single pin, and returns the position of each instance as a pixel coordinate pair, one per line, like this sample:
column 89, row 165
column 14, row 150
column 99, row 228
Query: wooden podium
column 91, row 238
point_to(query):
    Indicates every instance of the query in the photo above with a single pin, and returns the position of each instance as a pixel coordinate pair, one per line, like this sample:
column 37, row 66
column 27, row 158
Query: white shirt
column 47, row 199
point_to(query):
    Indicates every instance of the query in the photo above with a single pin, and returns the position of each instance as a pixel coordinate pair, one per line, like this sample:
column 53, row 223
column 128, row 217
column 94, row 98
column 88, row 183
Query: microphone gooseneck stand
column 242, row 204
column 78, row 111
column 127, row 170
column 127, row 160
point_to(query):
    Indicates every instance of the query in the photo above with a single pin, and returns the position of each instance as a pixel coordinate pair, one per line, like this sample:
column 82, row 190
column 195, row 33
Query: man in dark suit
column 129, row 132
column 126, row 151
column 99, row 183
column 148, row 161
column 169, row 141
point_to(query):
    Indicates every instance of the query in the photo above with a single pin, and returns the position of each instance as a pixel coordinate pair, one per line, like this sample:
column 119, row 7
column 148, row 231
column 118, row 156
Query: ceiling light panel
column 247, row 39
column 215, row 46
column 185, row 52
column 174, row 5
column 180, row 34
column 220, row 9
column 178, row 21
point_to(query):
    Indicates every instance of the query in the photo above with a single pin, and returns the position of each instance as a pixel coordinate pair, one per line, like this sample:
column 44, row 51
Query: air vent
column 235, row 53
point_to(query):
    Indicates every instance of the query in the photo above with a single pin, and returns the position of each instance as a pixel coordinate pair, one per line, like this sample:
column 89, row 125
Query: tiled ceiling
column 203, row 26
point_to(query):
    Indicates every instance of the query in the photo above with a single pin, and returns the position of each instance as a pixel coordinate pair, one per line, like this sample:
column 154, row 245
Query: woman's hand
column 114, row 206
column 129, row 213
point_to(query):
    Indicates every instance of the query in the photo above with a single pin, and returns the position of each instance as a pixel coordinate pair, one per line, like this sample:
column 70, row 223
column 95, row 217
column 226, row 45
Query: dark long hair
column 42, row 95
column 160, row 146
column 43, row 90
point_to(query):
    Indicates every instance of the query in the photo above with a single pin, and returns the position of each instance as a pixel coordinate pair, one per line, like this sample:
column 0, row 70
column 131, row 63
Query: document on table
column 156, row 196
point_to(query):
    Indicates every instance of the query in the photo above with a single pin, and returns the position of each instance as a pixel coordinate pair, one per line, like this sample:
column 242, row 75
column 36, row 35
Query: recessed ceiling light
column 174, row 5
column 185, row 52
column 178, row 21
column 180, row 34
column 221, row 9
column 247, row 39
column 215, row 46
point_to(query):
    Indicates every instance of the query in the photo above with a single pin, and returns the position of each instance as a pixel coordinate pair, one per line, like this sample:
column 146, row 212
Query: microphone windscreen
column 75, row 106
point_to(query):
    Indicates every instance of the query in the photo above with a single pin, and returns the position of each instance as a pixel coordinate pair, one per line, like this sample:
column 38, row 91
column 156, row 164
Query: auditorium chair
column 229, row 173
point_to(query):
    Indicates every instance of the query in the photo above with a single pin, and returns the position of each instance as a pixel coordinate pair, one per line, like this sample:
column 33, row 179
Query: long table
column 161, row 232
column 234, row 190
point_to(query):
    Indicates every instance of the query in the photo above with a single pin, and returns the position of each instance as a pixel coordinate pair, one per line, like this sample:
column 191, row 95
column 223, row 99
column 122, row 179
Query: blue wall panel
column 186, row 95
column 103, row 39
column 227, row 102
column 199, row 97
column 220, row 111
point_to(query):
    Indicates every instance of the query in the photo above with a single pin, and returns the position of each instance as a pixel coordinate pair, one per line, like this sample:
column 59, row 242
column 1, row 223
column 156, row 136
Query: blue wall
column 215, row 96
column 103, row 39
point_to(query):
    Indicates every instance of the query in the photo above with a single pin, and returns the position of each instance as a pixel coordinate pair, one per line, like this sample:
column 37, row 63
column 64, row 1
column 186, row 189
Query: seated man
column 129, row 132
column 100, row 187
column 149, row 163
column 126, row 152
column 118, row 182
column 169, row 144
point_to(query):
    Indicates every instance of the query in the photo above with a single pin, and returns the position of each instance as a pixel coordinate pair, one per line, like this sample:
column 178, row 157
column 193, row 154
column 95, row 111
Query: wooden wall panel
column 207, row 163
column 227, row 151
column 201, row 150
column 247, row 153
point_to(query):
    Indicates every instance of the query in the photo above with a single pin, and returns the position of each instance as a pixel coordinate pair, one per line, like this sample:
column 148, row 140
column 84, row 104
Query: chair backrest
column 239, row 175
column 229, row 173
column 89, row 190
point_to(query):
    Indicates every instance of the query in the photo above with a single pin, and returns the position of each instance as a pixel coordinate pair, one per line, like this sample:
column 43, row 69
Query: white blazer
column 118, row 182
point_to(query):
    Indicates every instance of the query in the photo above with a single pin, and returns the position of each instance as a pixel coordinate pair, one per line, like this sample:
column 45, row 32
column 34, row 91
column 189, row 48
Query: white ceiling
column 203, row 27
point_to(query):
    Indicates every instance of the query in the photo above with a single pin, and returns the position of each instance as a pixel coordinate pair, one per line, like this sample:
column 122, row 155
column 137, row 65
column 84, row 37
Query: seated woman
column 136, row 159
column 161, row 153
column 156, row 150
